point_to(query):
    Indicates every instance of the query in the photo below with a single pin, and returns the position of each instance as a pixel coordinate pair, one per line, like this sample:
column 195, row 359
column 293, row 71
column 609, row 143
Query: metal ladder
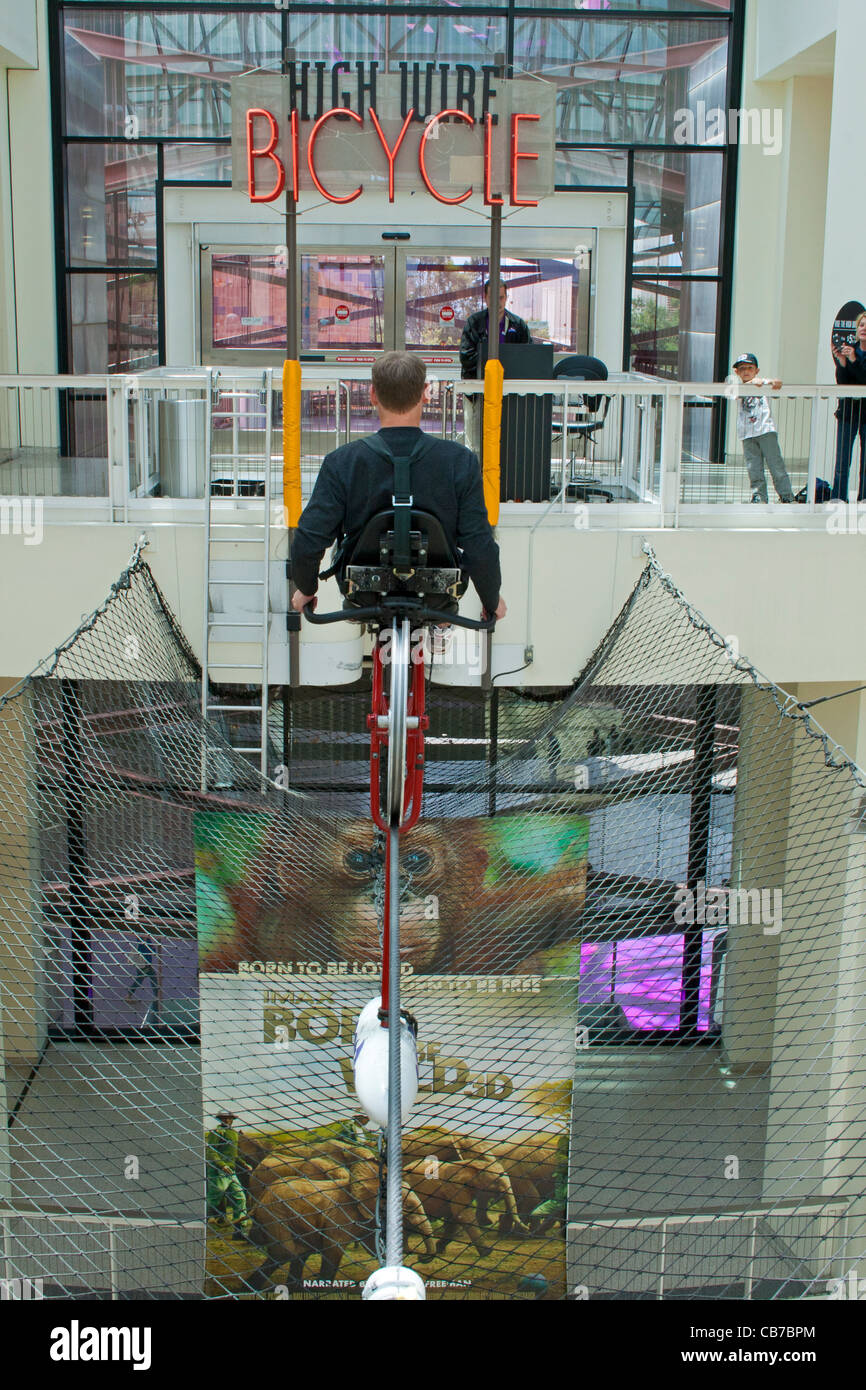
column 219, row 534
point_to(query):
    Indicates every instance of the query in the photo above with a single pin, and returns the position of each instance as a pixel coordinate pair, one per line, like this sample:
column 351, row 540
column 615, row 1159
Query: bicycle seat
column 426, row 569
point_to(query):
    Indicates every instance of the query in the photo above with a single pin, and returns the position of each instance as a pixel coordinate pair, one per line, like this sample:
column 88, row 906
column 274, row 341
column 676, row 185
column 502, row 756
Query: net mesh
column 633, row 930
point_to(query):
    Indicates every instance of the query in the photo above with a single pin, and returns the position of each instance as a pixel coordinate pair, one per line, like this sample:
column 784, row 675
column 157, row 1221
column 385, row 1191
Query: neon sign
column 267, row 151
column 497, row 143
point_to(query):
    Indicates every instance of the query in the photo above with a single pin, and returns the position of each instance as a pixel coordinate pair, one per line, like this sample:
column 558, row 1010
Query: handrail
column 664, row 445
column 383, row 614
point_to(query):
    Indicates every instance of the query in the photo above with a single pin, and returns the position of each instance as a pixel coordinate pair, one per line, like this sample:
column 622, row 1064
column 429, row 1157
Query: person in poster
column 221, row 1162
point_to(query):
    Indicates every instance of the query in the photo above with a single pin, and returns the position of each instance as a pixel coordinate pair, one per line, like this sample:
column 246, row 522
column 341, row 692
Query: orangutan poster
column 293, row 1165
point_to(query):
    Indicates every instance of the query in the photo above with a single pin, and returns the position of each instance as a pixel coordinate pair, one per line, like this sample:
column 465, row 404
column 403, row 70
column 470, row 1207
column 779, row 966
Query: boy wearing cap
column 757, row 429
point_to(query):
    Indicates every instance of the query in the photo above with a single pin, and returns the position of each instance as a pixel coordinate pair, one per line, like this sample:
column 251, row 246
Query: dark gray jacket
column 474, row 333
column 354, row 483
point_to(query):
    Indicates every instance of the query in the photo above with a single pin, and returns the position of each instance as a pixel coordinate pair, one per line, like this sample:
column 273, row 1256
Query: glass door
column 347, row 312
column 346, row 306
column 354, row 306
column 551, row 293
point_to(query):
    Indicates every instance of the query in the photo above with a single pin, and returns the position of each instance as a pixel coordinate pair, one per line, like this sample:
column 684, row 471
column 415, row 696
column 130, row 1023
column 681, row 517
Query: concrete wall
column 791, row 599
column 791, row 33
column 18, row 42
column 796, row 260
column 778, row 288
column 28, row 338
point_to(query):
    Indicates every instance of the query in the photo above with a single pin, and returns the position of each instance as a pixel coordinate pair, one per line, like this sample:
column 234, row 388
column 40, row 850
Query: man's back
column 355, row 483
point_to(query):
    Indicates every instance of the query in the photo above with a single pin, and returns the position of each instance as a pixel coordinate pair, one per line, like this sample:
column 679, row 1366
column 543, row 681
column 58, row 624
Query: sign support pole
column 492, row 428
column 495, row 281
column 292, row 400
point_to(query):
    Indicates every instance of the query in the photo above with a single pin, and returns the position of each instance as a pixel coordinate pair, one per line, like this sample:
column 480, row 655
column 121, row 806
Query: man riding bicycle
column 356, row 482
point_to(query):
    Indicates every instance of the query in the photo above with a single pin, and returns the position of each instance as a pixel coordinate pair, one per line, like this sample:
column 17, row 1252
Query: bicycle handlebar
column 423, row 615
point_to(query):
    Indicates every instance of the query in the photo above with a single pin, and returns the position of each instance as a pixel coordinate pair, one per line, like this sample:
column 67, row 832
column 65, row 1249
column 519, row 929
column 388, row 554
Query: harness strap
column 402, row 495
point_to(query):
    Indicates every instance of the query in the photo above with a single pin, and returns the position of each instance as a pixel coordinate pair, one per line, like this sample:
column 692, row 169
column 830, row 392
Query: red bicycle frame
column 413, row 785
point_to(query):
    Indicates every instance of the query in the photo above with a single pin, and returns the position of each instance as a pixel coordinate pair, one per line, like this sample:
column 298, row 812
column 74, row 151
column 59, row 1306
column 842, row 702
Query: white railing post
column 117, row 394
column 112, row 1261
column 818, row 439
column 753, row 1245
column 672, row 453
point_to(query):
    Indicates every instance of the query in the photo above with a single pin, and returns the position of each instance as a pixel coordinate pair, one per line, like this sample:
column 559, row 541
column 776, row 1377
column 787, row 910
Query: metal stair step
column 236, row 709
column 236, row 622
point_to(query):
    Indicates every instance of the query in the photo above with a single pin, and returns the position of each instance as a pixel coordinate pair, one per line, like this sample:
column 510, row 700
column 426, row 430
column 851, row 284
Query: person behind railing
column 512, row 329
column 851, row 414
column 757, row 430
column 355, row 482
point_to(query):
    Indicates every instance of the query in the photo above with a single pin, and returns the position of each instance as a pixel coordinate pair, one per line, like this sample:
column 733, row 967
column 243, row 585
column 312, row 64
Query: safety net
column 632, row 935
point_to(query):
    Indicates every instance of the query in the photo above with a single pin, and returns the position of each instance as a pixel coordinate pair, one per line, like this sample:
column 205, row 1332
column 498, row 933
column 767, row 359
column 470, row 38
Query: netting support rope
column 790, row 708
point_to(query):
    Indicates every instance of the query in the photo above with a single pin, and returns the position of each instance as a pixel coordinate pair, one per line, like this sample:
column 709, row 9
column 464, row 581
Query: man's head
column 746, row 366
column 503, row 295
column 399, row 386
column 225, row 1117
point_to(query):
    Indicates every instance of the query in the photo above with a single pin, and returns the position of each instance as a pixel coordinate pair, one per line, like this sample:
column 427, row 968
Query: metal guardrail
column 667, row 451
column 47, row 1253
column 802, row 1244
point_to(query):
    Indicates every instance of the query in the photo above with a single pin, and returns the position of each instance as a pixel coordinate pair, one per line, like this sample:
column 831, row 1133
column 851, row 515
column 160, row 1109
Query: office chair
column 582, row 368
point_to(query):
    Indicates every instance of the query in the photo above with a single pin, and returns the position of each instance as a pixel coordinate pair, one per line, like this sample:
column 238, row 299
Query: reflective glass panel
column 673, row 328
column 111, row 204
column 112, row 321
column 139, row 72
column 188, row 163
column 678, row 203
column 626, row 81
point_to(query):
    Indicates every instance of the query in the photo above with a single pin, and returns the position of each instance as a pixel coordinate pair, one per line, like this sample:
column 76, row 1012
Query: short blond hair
column 859, row 320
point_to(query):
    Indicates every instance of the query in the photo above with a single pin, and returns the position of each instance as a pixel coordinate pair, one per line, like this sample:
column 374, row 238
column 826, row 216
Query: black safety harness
column 402, row 562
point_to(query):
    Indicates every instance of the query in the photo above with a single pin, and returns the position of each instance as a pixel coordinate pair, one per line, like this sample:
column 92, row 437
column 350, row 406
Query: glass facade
column 142, row 98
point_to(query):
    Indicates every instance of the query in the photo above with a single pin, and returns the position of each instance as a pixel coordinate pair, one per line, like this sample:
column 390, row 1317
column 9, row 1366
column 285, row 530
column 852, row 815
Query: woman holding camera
column 851, row 414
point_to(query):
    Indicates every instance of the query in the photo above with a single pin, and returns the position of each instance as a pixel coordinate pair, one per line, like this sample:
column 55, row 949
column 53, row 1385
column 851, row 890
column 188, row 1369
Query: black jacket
column 475, row 331
column 852, row 374
column 354, row 483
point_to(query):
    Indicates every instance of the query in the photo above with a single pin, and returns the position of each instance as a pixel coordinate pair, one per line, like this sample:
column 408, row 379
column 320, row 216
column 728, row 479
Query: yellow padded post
column 292, row 442
column 493, row 377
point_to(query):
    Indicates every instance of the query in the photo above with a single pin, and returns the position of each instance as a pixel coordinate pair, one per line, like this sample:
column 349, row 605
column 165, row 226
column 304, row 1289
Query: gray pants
column 764, row 449
column 473, row 422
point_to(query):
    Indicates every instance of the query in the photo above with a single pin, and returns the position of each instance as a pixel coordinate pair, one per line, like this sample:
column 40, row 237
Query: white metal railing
column 664, row 453
column 112, row 1253
column 805, row 1244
